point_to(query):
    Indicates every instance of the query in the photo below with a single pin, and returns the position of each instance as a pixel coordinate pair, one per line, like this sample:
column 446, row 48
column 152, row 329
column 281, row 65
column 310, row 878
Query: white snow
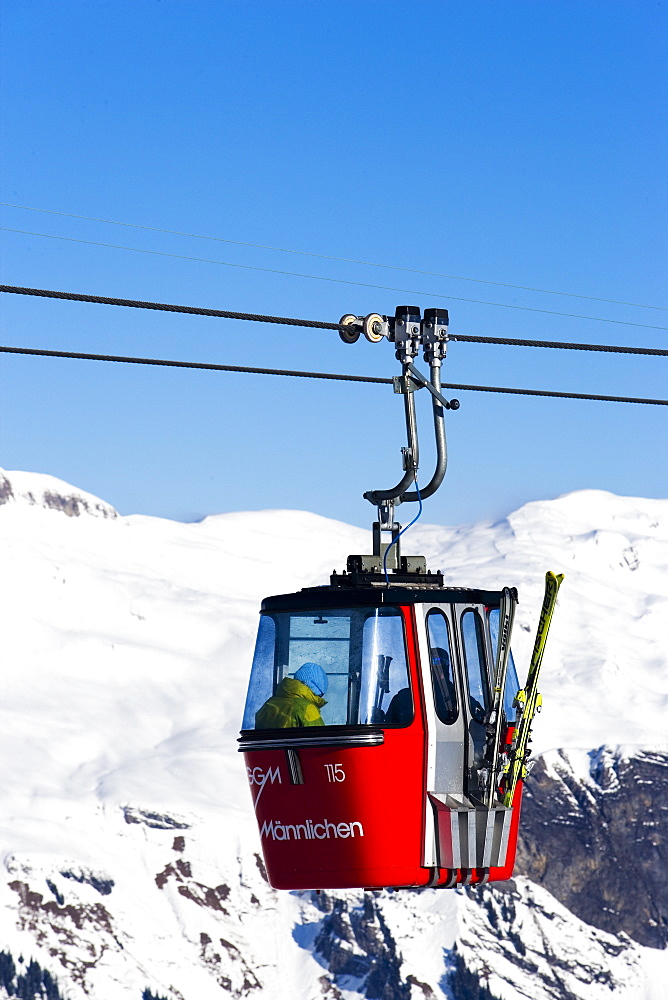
column 544, row 951
column 604, row 677
column 127, row 643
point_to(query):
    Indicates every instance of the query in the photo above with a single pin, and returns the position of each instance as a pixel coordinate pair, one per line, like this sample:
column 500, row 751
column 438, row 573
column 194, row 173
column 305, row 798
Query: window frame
column 453, row 678
column 482, row 661
column 510, row 715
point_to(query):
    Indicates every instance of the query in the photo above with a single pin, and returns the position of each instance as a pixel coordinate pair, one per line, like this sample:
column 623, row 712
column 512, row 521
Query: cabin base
column 470, row 835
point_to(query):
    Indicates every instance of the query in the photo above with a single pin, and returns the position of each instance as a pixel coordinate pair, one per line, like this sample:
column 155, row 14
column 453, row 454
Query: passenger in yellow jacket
column 297, row 701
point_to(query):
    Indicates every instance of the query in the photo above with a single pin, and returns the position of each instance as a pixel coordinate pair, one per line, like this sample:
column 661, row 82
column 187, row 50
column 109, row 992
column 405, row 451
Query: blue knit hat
column 314, row 677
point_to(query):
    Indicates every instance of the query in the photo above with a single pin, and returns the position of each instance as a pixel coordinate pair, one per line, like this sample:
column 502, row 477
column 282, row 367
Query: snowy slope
column 607, row 656
column 127, row 642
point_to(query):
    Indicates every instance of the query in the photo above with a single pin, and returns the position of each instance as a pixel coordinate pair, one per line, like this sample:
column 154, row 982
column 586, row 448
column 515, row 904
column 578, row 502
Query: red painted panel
column 500, row 874
column 358, row 818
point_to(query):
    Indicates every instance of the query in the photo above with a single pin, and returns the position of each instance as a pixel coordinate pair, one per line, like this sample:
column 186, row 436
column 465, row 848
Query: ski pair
column 495, row 719
column 528, row 701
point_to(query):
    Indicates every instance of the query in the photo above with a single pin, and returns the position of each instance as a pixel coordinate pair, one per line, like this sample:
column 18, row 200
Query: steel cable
column 316, row 324
column 167, row 307
column 560, row 345
column 323, row 375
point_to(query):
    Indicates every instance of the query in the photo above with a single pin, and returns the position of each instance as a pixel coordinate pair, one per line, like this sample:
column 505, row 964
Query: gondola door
column 477, row 682
column 445, row 723
column 468, row 840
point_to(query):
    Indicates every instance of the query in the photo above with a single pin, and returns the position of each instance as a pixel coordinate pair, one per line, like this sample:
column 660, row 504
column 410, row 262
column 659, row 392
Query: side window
column 442, row 675
column 512, row 683
column 261, row 685
column 385, row 695
column 474, row 653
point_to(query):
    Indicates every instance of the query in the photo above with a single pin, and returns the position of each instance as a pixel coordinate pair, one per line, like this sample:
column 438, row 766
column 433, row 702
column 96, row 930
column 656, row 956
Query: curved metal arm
column 380, row 497
column 441, row 445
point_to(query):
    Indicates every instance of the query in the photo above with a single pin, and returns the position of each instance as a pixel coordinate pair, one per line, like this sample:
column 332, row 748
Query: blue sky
column 522, row 143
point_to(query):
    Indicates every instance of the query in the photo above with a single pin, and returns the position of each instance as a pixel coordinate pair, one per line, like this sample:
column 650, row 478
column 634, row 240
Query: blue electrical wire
column 395, row 540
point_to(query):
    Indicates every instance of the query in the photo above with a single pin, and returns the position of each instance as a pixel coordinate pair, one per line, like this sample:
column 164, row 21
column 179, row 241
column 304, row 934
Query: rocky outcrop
column 152, row 819
column 79, row 935
column 6, row 491
column 599, row 842
column 594, row 856
column 360, row 952
column 592, row 835
column 39, row 490
column 515, row 939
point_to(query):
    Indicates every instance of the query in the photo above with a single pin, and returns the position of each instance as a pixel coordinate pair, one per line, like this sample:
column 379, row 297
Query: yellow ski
column 528, row 700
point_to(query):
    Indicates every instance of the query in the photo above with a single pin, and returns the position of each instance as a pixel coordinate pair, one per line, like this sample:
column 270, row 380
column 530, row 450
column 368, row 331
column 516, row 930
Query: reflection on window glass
column 474, row 653
column 332, row 667
column 445, row 694
column 385, row 695
column 323, row 639
column 512, row 683
column 261, row 685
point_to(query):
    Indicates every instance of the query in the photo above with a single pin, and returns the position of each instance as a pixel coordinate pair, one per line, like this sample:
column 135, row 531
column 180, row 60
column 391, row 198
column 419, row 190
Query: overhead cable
column 323, row 256
column 191, row 364
column 79, row 355
column 316, row 324
column 338, row 281
column 166, row 307
column 559, row 345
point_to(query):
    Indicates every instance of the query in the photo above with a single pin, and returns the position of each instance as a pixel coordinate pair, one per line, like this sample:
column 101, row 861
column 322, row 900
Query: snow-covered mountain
column 131, row 857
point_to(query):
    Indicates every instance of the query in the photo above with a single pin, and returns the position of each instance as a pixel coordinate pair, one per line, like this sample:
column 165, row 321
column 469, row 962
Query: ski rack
column 408, row 332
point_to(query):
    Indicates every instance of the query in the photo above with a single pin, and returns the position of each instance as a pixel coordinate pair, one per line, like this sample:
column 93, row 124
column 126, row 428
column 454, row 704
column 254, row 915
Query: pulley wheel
column 349, row 336
column 371, row 321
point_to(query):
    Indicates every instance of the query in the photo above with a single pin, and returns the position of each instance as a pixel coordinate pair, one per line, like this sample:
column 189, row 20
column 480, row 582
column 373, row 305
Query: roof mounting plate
column 367, row 571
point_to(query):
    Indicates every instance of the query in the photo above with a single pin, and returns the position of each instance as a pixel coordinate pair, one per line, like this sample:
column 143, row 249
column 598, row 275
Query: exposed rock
column 600, row 846
column 227, row 964
column 102, row 884
column 518, row 937
column 196, row 892
column 73, row 506
column 77, row 935
column 41, row 490
column 6, row 491
column 261, row 867
column 157, row 821
column 360, row 952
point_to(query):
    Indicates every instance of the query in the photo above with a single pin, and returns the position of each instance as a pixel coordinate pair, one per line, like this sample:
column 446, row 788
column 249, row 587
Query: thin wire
column 317, row 324
column 395, row 540
column 324, row 375
column 323, row 256
column 338, row 281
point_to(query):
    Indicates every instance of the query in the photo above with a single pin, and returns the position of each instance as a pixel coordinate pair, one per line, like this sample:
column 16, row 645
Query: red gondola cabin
column 390, row 789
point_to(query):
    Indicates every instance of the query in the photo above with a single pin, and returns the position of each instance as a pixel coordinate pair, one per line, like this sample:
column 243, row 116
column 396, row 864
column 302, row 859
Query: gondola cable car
column 409, row 772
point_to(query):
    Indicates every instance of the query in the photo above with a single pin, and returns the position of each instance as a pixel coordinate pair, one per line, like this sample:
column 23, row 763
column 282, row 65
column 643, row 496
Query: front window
column 512, row 683
column 332, row 668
